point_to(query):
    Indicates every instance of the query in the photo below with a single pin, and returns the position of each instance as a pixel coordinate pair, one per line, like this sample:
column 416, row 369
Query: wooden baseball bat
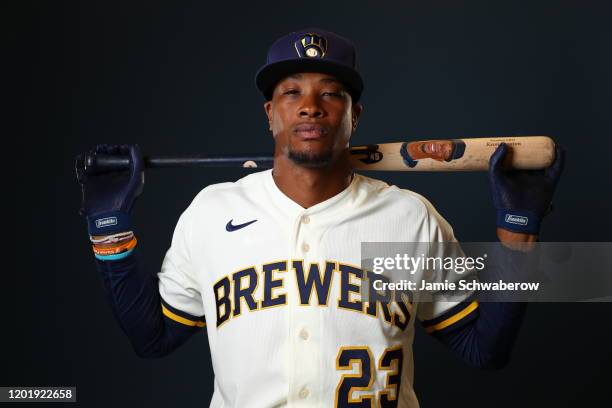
column 472, row 154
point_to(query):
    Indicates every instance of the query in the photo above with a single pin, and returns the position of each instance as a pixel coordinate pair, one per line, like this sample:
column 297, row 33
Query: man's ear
column 268, row 110
column 356, row 113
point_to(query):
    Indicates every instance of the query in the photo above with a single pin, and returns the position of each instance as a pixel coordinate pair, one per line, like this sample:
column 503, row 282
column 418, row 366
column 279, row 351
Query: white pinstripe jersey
column 280, row 295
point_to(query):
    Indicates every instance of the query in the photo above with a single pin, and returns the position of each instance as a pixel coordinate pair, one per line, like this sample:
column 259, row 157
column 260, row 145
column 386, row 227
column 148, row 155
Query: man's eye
column 335, row 94
column 291, row 92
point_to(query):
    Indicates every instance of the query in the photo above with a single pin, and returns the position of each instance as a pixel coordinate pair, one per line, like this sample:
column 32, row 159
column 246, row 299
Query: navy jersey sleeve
column 486, row 339
column 484, row 334
column 154, row 327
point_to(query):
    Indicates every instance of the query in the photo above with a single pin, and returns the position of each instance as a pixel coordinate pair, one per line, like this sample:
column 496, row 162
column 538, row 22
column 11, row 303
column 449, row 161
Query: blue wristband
column 519, row 221
column 114, row 257
column 108, row 223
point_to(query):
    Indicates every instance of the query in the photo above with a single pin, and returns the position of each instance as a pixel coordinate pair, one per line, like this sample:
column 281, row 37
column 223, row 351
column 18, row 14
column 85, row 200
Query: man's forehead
column 326, row 78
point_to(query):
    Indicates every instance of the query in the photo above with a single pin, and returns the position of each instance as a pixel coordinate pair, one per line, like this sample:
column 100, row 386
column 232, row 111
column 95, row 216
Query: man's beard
column 308, row 159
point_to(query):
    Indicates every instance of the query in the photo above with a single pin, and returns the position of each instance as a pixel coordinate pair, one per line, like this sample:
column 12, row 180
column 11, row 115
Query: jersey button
column 304, row 393
column 304, row 334
column 305, row 247
column 306, row 219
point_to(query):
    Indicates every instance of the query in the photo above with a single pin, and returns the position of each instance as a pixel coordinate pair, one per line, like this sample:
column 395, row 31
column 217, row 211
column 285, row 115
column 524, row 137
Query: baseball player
column 269, row 265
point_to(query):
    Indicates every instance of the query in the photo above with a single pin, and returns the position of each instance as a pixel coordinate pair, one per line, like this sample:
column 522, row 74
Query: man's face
column 311, row 117
column 438, row 149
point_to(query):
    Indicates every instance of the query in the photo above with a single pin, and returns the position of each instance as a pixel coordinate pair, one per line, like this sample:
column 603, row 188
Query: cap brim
column 268, row 76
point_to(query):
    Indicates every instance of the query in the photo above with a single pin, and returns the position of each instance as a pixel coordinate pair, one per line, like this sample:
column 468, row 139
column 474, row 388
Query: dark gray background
column 177, row 77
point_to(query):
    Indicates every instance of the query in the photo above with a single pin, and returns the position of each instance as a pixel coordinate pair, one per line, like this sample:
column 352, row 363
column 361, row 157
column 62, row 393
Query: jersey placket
column 304, row 337
column 305, row 363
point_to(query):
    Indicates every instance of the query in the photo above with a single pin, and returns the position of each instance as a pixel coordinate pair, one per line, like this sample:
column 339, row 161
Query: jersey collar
column 327, row 207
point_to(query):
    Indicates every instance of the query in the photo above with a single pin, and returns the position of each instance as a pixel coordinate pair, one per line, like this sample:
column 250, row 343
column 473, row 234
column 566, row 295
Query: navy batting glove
column 108, row 198
column 522, row 197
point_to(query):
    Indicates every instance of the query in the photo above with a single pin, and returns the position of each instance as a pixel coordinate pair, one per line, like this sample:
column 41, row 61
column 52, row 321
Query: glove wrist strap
column 108, row 223
column 521, row 221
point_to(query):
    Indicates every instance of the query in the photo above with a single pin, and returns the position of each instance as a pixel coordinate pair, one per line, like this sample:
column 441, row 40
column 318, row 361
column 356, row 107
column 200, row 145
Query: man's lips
column 310, row 131
column 431, row 148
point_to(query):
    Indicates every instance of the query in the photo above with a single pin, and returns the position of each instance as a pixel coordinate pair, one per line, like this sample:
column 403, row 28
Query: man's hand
column 107, row 199
column 522, row 197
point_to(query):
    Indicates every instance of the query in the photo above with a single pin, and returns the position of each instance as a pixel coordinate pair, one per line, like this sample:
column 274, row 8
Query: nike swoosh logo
column 230, row 227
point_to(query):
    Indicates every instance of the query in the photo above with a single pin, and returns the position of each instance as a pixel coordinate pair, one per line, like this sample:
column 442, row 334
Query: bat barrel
column 467, row 154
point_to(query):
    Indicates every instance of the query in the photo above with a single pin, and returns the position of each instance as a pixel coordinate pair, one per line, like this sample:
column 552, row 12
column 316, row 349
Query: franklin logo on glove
column 517, row 219
column 106, row 222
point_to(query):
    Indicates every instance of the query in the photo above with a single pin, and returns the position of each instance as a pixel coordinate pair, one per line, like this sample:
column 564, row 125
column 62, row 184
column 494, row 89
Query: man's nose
column 311, row 108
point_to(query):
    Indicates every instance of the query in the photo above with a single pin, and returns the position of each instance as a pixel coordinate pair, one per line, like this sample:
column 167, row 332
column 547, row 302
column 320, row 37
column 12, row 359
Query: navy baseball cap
column 311, row 50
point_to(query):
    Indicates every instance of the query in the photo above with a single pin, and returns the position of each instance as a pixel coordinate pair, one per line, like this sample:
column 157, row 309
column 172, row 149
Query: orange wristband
column 115, row 249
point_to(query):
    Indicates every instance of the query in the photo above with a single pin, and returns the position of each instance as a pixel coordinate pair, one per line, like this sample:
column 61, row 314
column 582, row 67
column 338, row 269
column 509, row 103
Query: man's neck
column 309, row 186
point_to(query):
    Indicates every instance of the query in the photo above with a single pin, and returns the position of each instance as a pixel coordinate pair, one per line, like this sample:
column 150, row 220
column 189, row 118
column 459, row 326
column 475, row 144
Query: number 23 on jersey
column 360, row 358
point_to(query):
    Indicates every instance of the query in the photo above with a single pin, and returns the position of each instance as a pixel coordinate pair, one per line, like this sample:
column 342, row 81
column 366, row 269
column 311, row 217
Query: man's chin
column 311, row 159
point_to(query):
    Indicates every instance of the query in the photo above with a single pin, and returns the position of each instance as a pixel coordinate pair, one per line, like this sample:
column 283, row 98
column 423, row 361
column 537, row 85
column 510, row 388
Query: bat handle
column 98, row 163
column 92, row 164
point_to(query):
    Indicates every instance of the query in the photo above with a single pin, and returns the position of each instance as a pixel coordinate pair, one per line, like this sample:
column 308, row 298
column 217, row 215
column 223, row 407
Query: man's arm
column 486, row 339
column 154, row 328
column 485, row 336
column 480, row 330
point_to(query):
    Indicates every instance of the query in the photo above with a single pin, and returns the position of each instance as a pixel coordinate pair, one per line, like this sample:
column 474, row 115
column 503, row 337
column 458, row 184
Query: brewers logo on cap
column 311, row 45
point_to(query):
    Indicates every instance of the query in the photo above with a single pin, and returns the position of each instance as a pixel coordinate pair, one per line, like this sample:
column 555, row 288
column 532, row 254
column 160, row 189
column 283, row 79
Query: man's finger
column 497, row 159
column 554, row 171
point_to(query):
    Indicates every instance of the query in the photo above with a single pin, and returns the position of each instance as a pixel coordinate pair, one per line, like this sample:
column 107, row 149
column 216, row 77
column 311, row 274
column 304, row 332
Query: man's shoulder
column 402, row 202
column 382, row 191
column 219, row 192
